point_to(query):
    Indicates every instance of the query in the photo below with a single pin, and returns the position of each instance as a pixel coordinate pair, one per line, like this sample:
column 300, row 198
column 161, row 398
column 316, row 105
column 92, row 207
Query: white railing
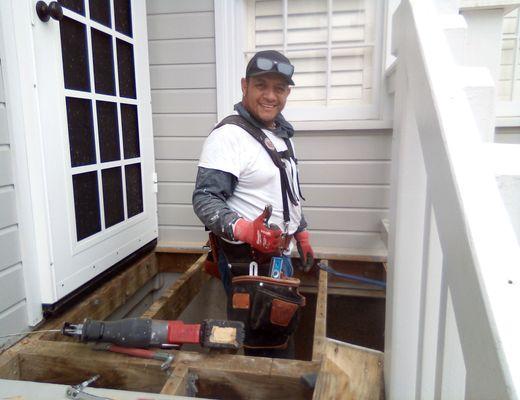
column 453, row 325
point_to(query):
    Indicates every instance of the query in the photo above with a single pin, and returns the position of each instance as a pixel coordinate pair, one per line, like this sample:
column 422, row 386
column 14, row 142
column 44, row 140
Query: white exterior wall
column 508, row 135
column 13, row 316
column 344, row 174
column 182, row 76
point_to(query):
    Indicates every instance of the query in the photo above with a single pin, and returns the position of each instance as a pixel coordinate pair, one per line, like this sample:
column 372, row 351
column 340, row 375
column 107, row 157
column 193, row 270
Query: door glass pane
column 125, row 65
column 74, row 5
column 123, row 16
column 81, row 132
column 108, row 131
column 74, row 55
column 130, row 130
column 86, row 204
column 100, row 11
column 103, row 197
column 103, row 62
column 134, row 192
column 113, row 196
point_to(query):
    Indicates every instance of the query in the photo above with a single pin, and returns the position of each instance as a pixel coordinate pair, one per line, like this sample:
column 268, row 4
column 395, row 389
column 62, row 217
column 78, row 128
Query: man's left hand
column 304, row 249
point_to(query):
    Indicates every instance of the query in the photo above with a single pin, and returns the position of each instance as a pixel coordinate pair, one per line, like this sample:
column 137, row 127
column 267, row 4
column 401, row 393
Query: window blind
column 509, row 80
column 331, row 44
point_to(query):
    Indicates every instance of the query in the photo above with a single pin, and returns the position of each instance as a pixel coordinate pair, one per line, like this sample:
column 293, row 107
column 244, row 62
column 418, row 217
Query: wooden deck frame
column 54, row 358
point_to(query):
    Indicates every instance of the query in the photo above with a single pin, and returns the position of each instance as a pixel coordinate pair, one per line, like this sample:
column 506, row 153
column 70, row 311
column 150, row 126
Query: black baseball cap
column 270, row 61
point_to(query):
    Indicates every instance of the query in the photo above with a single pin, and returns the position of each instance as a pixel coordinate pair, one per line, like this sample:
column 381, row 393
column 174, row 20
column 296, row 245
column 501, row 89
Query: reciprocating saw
column 145, row 332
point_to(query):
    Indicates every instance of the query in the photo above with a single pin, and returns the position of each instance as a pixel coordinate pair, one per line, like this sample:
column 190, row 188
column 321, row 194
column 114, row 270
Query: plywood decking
column 56, row 359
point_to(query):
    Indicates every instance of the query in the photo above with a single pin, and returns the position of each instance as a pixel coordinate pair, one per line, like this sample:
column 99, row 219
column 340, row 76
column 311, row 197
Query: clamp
column 76, row 392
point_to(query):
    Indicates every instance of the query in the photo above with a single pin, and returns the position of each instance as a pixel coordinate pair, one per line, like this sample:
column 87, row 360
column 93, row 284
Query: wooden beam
column 350, row 372
column 177, row 297
column 107, row 298
column 187, row 247
column 247, row 385
column 71, row 363
column 10, row 365
column 67, row 363
column 347, row 292
column 350, row 255
column 177, row 382
column 320, row 325
column 241, row 377
column 332, row 385
column 254, row 365
column 175, row 262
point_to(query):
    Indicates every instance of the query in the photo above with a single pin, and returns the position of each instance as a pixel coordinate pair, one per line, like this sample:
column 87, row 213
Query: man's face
column 264, row 96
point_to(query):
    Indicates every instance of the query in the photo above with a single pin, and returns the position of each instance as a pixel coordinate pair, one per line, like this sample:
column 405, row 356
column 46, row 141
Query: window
column 335, row 46
column 508, row 89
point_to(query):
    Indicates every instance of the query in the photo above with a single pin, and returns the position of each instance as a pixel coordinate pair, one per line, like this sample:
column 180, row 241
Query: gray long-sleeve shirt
column 212, row 189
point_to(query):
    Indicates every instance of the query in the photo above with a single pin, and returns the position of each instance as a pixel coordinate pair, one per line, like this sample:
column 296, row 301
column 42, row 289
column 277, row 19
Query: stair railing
column 453, row 295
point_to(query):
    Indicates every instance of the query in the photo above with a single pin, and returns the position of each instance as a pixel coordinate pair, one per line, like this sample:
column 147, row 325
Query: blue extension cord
column 356, row 278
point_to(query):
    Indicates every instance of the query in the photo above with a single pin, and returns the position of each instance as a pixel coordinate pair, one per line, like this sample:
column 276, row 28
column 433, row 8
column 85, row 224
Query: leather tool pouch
column 269, row 308
column 240, row 257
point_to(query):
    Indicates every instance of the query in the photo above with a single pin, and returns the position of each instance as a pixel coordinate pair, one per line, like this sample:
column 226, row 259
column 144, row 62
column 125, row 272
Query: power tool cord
column 356, row 278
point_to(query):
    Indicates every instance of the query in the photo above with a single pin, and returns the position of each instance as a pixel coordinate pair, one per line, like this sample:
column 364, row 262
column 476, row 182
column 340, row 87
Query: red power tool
column 145, row 332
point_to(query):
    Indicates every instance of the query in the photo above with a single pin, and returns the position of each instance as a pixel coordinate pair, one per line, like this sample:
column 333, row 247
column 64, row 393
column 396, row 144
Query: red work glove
column 305, row 250
column 267, row 239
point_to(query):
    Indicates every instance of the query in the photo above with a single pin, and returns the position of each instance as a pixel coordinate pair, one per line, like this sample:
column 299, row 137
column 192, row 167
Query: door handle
column 53, row 10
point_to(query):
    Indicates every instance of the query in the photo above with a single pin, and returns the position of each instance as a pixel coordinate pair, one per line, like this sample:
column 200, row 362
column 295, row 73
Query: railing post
column 408, row 200
column 483, row 38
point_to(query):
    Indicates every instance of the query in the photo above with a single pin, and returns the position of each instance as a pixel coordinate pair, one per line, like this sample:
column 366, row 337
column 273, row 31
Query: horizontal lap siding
column 509, row 135
column 345, row 175
column 182, row 76
column 345, row 179
column 13, row 316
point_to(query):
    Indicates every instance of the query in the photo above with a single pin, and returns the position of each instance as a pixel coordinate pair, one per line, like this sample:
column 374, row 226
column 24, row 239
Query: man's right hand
column 267, row 239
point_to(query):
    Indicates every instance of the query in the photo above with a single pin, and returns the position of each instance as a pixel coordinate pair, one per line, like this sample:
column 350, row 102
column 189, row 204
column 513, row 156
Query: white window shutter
column 333, row 65
column 509, row 72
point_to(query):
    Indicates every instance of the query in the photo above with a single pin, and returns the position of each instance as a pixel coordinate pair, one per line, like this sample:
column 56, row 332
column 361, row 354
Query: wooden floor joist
column 350, row 372
column 176, row 298
column 48, row 358
column 320, row 325
column 177, row 382
column 107, row 298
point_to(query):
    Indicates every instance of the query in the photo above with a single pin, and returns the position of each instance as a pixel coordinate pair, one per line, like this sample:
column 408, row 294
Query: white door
column 95, row 114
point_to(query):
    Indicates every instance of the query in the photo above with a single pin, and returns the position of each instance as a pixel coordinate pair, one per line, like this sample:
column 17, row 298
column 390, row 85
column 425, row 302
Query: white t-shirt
column 232, row 149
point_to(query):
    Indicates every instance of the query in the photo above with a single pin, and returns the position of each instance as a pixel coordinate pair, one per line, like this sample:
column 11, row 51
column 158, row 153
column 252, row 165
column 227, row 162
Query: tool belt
column 269, row 308
column 238, row 255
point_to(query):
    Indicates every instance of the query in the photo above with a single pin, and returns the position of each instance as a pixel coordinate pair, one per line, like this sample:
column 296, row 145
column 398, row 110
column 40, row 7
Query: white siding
column 344, row 174
column 13, row 317
column 508, row 135
column 182, row 75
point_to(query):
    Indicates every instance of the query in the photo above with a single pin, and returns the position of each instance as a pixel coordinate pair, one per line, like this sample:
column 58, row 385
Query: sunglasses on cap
column 265, row 64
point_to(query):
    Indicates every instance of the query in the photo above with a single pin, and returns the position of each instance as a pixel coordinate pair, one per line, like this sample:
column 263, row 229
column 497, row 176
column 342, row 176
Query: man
column 247, row 190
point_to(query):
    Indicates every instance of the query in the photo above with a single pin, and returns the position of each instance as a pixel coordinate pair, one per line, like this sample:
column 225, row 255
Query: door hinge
column 154, row 180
